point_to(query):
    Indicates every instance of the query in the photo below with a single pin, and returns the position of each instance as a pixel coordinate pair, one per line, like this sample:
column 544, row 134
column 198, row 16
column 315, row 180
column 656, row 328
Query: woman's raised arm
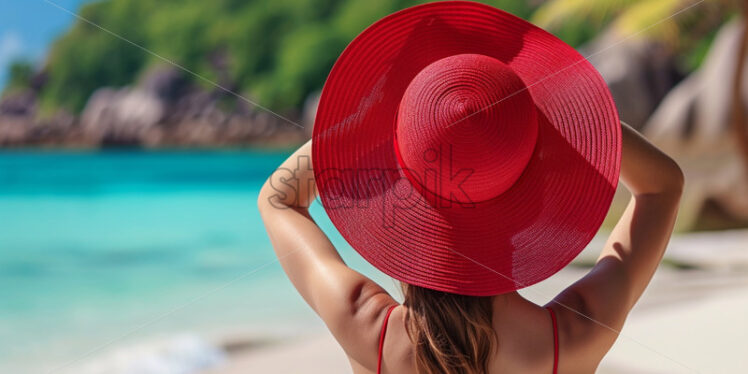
column 351, row 305
column 597, row 305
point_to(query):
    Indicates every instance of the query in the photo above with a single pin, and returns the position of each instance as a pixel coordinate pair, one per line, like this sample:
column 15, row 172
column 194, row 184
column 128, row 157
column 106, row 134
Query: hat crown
column 466, row 128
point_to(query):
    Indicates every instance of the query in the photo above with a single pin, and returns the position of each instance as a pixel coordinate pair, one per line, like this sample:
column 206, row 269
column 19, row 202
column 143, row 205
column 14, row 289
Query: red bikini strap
column 381, row 338
column 555, row 340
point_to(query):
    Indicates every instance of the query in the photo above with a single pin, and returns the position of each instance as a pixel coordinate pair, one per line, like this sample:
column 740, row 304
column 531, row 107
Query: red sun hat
column 459, row 148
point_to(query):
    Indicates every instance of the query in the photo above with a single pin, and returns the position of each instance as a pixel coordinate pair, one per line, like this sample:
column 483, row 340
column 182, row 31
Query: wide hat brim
column 517, row 239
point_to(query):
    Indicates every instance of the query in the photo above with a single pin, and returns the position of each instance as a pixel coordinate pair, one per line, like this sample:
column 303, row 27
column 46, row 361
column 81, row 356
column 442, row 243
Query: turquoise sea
column 102, row 249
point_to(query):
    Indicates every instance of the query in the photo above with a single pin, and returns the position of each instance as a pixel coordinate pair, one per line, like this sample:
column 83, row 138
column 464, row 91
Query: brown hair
column 452, row 333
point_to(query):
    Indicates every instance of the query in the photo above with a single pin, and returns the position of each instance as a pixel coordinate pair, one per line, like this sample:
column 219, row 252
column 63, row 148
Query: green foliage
column 354, row 15
column 87, row 58
column 680, row 25
column 19, row 74
column 276, row 51
column 300, row 67
column 578, row 21
column 250, row 34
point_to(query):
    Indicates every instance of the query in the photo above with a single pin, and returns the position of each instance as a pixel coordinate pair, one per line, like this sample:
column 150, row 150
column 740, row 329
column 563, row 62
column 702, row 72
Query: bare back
column 589, row 312
column 524, row 331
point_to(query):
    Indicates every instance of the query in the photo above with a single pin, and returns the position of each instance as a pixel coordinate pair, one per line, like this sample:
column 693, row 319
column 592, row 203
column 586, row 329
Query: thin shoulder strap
column 555, row 340
column 381, row 338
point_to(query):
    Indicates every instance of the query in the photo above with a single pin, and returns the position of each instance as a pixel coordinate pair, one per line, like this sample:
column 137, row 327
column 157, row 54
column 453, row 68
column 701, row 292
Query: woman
column 461, row 312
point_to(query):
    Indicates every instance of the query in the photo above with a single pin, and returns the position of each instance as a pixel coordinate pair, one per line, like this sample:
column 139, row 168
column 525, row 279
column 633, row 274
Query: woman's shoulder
column 582, row 340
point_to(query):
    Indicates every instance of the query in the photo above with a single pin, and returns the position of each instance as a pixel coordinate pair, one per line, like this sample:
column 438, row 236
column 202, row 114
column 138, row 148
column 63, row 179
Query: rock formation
column 693, row 125
column 162, row 110
column 639, row 73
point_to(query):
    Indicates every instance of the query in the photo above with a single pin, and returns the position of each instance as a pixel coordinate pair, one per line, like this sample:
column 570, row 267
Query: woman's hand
column 647, row 170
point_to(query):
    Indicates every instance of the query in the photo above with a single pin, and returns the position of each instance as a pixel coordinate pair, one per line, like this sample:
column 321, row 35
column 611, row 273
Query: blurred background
column 135, row 135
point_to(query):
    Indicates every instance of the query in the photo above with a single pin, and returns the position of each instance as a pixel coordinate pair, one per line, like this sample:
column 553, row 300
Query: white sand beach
column 693, row 318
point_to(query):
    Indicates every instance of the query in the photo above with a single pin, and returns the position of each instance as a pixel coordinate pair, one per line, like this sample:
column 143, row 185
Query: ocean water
column 102, row 250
